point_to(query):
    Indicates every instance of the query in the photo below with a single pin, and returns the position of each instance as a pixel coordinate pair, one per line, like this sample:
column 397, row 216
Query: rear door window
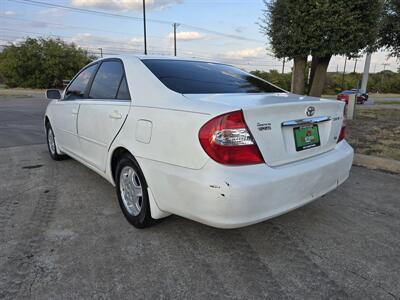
column 107, row 80
column 196, row 77
column 77, row 88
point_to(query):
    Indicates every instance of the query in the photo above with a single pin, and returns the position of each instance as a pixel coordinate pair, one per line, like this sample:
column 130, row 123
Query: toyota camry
column 202, row 140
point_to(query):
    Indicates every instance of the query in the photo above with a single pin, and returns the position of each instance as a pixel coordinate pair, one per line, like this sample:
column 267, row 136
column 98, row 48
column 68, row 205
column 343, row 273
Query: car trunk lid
column 273, row 118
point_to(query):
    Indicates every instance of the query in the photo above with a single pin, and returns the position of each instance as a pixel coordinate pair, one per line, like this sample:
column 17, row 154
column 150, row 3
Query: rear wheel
column 132, row 192
column 51, row 143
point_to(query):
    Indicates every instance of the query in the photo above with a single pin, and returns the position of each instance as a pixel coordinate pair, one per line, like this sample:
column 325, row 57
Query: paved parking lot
column 62, row 235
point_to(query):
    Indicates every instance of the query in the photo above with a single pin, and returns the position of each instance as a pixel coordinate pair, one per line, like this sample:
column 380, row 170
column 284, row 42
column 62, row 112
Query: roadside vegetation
column 383, row 82
column 40, row 63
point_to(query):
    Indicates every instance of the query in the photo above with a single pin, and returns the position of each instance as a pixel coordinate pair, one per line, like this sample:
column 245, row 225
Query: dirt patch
column 376, row 132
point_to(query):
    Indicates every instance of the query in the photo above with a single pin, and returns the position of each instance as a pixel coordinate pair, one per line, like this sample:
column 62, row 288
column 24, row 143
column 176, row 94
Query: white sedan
column 202, row 140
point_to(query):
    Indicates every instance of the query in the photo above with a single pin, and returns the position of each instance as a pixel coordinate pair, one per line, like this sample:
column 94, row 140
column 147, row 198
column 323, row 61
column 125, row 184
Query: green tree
column 285, row 23
column 276, row 78
column 321, row 28
column 41, row 63
column 390, row 28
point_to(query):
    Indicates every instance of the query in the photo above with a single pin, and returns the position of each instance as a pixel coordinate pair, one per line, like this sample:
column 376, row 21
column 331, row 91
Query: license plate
column 306, row 137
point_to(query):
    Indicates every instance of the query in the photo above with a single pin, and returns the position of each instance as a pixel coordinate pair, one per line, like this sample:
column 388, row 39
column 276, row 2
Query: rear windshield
column 193, row 77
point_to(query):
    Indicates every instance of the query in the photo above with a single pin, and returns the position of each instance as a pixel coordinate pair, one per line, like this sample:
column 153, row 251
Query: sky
column 217, row 30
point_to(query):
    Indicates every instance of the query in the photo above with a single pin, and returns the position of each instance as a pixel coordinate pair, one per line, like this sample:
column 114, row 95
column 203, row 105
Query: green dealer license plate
column 306, row 137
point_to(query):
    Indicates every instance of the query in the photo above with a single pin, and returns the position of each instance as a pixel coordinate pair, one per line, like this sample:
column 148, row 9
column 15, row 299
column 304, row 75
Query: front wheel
column 132, row 192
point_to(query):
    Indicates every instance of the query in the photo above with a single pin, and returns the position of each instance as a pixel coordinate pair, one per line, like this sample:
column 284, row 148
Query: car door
column 103, row 113
column 66, row 111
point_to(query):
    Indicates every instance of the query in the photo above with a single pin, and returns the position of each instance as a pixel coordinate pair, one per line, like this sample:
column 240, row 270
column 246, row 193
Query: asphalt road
column 21, row 121
column 62, row 235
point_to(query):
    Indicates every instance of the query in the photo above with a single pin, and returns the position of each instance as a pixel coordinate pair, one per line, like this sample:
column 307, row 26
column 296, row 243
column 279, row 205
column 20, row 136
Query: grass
column 376, row 95
column 390, row 102
column 375, row 132
column 20, row 92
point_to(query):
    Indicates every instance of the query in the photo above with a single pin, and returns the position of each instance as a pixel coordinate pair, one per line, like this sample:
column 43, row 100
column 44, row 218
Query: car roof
column 160, row 57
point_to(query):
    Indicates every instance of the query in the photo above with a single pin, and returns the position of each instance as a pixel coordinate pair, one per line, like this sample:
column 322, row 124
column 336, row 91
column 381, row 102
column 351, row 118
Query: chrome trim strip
column 313, row 120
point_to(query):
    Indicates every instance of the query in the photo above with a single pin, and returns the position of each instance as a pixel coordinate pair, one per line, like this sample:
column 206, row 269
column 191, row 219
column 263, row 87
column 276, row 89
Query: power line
column 96, row 12
column 95, row 29
column 99, row 40
column 120, row 50
column 92, row 38
column 73, row 26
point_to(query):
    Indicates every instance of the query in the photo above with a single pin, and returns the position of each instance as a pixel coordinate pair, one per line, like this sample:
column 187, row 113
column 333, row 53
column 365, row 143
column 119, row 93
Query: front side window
column 107, row 80
column 77, row 88
column 196, row 77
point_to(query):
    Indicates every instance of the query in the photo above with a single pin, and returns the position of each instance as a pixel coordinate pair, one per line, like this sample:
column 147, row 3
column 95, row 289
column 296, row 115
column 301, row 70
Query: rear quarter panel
column 173, row 136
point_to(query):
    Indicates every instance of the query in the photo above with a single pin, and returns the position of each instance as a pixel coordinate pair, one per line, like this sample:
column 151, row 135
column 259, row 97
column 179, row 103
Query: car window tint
column 106, row 82
column 77, row 88
column 123, row 92
column 193, row 77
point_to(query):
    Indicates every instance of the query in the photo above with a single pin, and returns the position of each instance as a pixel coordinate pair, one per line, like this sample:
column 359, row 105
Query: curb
column 377, row 163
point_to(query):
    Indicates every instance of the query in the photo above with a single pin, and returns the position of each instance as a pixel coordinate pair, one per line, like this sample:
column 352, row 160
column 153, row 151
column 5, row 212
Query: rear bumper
column 229, row 197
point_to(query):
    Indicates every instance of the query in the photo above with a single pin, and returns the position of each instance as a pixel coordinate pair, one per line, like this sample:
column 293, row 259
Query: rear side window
column 123, row 92
column 193, row 77
column 107, row 80
column 77, row 88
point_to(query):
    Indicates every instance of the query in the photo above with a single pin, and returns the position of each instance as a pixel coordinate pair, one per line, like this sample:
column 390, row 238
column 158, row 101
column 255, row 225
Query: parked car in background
column 344, row 96
column 202, row 140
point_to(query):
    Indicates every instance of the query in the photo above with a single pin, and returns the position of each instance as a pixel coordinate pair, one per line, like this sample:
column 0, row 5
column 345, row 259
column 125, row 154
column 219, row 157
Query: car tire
column 132, row 192
column 51, row 143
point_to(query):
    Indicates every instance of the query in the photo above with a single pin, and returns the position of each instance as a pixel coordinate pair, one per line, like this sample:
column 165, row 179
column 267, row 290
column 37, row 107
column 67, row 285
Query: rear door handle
column 115, row 115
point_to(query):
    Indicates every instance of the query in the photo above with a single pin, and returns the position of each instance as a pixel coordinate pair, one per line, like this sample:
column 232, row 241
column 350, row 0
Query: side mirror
column 53, row 94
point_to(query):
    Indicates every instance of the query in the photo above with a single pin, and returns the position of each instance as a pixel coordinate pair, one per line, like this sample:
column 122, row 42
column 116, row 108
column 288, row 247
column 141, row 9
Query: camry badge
column 310, row 111
column 264, row 126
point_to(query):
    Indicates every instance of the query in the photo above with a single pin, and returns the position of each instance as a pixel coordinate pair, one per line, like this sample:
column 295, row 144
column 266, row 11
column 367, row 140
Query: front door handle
column 74, row 111
column 115, row 115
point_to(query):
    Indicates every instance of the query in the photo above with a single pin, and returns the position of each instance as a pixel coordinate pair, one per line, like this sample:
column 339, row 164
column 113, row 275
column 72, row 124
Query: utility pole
column 384, row 66
column 384, row 69
column 367, row 65
column 283, row 66
column 175, row 25
column 144, row 27
column 355, row 65
column 101, row 52
column 344, row 71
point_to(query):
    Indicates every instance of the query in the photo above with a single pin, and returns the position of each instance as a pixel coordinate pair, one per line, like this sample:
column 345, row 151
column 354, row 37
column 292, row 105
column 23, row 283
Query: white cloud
column 8, row 13
column 39, row 24
column 110, row 45
column 246, row 53
column 125, row 4
column 137, row 40
column 187, row 36
column 52, row 12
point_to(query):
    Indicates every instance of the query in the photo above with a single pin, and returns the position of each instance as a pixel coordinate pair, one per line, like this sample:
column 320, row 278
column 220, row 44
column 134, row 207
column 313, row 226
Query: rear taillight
column 227, row 140
column 342, row 134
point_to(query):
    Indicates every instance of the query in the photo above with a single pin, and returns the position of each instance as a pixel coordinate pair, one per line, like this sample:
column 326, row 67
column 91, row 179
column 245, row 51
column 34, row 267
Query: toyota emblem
column 310, row 111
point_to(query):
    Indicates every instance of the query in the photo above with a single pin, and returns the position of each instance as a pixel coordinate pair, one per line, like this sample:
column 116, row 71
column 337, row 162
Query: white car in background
column 202, row 140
